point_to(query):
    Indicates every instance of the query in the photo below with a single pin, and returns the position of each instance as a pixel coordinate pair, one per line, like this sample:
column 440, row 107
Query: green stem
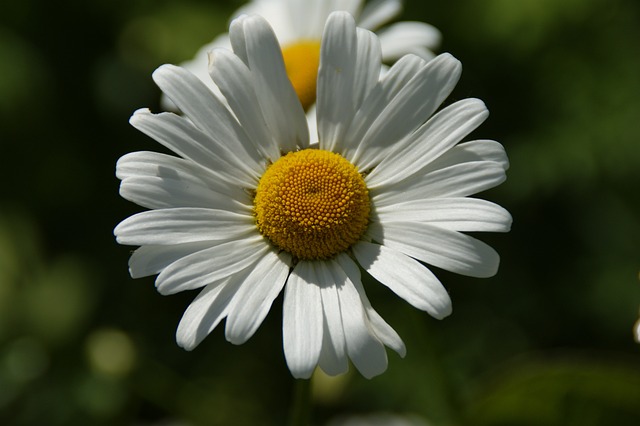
column 301, row 403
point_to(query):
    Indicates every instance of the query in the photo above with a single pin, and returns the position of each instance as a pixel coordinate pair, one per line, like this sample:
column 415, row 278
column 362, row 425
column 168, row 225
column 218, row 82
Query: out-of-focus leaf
column 558, row 391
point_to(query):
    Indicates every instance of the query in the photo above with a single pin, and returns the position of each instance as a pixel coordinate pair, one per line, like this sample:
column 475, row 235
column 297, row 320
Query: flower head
column 250, row 207
column 298, row 25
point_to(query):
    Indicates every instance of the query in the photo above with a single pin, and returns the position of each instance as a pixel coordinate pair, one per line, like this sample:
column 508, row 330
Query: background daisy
column 298, row 24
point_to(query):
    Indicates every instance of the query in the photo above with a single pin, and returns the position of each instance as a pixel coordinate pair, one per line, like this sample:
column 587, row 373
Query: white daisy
column 250, row 208
column 298, row 25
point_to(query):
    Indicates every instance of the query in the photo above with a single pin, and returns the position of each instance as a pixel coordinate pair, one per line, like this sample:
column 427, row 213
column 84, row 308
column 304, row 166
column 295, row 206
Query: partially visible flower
column 298, row 25
column 250, row 207
column 379, row 419
column 636, row 326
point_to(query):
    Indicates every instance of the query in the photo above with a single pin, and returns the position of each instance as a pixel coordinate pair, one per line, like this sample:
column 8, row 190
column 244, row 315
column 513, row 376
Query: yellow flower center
column 302, row 60
column 312, row 203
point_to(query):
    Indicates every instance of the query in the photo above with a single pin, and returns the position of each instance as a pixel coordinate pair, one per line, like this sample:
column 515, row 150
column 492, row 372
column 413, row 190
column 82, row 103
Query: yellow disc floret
column 312, row 203
column 301, row 60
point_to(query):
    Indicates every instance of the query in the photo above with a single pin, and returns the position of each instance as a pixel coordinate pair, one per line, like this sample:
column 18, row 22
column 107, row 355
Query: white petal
column 333, row 356
column 301, row 19
column 312, row 122
column 151, row 260
column 236, row 83
column 349, row 69
column 198, row 67
column 255, row 43
column 366, row 352
column 456, row 214
column 459, row 180
column 429, row 142
column 152, row 168
column 210, row 265
column 378, row 12
column 449, row 250
column 206, row 112
column 368, row 65
column 183, row 225
column 395, row 109
column 382, row 330
column 404, row 276
column 193, row 98
column 409, row 37
column 179, row 135
column 309, row 17
column 302, row 321
column 281, row 15
column 400, row 73
column 206, row 311
column 478, row 150
column 378, row 326
column 253, row 299
column 162, row 193
column 394, row 79
column 336, row 79
column 336, row 125
column 146, row 164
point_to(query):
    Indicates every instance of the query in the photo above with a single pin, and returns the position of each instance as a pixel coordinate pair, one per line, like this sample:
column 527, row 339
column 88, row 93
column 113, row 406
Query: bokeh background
column 548, row 341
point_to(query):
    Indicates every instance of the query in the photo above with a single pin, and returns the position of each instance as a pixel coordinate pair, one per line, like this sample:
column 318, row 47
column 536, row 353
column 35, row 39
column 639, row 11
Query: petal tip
column 186, row 343
column 138, row 114
column 161, row 72
column 442, row 312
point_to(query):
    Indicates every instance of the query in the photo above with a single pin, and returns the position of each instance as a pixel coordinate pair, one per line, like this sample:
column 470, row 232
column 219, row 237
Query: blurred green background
column 547, row 341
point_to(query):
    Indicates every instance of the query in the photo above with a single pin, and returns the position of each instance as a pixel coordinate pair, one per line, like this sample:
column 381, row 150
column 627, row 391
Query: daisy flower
column 250, row 208
column 298, row 25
